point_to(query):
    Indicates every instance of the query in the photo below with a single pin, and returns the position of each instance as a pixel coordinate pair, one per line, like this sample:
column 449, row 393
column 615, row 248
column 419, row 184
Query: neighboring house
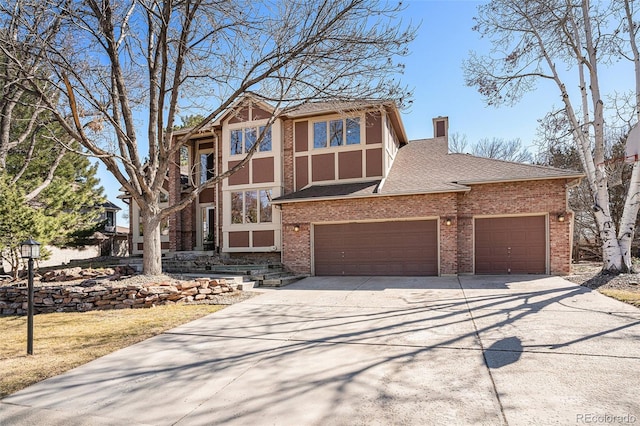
column 113, row 239
column 109, row 216
column 337, row 189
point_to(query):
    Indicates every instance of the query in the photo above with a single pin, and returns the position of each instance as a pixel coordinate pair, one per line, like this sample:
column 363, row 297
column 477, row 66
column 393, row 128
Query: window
column 336, row 132
column 251, row 207
column 207, row 167
column 184, row 160
column 111, row 219
column 320, row 134
column 265, row 206
column 242, row 140
column 265, row 145
column 237, row 207
column 250, row 137
column 353, row 131
column 236, row 142
column 164, row 227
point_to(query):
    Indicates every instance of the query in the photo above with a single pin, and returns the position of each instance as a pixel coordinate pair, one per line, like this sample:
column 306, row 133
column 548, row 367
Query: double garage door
column 377, row 248
column 504, row 245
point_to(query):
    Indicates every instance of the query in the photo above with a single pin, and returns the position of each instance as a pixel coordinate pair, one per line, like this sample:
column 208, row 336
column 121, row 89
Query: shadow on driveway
column 367, row 350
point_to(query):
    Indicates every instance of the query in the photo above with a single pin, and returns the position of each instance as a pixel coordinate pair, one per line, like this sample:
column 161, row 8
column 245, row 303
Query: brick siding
column 456, row 240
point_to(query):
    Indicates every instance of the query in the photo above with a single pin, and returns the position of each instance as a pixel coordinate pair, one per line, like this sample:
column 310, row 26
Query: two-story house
column 337, row 189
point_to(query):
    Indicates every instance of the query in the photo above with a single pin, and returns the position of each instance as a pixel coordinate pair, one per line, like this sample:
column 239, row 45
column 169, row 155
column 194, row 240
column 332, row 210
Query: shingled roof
column 426, row 166
column 345, row 190
column 320, row 107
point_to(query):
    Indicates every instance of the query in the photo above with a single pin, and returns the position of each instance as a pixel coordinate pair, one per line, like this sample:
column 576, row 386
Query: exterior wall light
column 30, row 249
column 296, row 228
column 448, row 221
column 561, row 217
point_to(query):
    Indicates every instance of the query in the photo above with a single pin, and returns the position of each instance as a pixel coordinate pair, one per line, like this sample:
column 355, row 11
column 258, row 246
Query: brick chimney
column 441, row 134
column 441, row 127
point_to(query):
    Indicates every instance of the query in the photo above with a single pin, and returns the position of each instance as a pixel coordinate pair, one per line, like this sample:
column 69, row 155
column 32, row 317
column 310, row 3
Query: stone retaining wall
column 111, row 295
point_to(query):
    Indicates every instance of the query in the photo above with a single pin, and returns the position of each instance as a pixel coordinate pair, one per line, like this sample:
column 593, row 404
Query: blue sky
column 434, row 71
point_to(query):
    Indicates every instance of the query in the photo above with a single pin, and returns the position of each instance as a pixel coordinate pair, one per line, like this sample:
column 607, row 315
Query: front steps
column 277, row 278
column 245, row 276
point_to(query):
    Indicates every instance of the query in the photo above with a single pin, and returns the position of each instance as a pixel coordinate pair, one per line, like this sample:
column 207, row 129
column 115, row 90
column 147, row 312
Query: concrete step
column 232, row 279
column 269, row 275
column 281, row 281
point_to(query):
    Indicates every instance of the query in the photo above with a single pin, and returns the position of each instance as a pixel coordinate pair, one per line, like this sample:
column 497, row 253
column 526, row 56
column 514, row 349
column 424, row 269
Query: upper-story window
column 243, row 139
column 207, row 166
column 343, row 131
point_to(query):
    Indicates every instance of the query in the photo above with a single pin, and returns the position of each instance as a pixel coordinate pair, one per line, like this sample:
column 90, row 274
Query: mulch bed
column 589, row 275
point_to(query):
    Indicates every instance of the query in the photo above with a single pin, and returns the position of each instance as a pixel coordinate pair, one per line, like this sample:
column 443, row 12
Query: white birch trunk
column 626, row 230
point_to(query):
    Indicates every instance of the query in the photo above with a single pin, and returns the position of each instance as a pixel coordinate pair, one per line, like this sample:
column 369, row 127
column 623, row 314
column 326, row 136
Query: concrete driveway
column 374, row 351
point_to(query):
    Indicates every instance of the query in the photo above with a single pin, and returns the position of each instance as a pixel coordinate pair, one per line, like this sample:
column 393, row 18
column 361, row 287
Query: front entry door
column 209, row 240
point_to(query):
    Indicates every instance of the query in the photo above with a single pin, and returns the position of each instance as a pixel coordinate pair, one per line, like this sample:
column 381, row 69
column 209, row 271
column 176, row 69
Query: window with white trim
column 242, row 140
column 339, row 132
column 251, row 206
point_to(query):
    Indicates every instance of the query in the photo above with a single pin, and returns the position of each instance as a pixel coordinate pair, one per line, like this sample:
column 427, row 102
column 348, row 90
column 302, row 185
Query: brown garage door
column 377, row 248
column 510, row 245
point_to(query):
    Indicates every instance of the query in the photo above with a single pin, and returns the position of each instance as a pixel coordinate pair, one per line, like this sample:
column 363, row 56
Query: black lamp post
column 30, row 249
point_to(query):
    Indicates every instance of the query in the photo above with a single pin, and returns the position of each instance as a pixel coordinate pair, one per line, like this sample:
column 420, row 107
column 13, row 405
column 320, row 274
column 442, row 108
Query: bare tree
column 458, row 143
column 498, row 148
column 23, row 119
column 121, row 67
column 502, row 149
column 564, row 42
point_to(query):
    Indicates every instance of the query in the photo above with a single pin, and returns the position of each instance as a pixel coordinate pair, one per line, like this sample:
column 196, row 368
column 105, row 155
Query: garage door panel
column 376, row 248
column 510, row 245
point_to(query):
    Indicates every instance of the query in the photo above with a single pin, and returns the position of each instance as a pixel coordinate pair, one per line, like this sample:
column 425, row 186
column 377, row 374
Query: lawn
column 632, row 298
column 63, row 341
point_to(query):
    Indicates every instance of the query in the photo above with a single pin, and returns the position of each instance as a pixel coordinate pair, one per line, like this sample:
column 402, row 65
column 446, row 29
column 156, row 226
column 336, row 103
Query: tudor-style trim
column 228, row 229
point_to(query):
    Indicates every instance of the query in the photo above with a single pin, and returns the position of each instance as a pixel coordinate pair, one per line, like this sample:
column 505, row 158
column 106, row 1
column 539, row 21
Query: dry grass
column 632, row 298
column 63, row 341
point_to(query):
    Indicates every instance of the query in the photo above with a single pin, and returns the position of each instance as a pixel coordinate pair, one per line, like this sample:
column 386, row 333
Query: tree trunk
column 627, row 226
column 152, row 246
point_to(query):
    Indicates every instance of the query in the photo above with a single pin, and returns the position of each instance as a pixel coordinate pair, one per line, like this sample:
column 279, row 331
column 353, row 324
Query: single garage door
column 510, row 245
column 377, row 248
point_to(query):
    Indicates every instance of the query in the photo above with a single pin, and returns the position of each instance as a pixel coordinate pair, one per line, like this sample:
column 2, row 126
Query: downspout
column 218, row 203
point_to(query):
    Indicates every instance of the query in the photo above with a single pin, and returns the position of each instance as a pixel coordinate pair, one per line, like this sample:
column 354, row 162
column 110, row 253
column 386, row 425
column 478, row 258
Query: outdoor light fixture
column 561, row 217
column 448, row 221
column 30, row 249
column 296, row 228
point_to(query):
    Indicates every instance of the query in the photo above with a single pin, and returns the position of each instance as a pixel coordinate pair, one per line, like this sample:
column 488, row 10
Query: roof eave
column 376, row 195
column 397, row 121
column 487, row 181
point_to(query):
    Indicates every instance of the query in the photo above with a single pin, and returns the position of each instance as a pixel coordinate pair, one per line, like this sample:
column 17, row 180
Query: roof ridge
column 517, row 163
